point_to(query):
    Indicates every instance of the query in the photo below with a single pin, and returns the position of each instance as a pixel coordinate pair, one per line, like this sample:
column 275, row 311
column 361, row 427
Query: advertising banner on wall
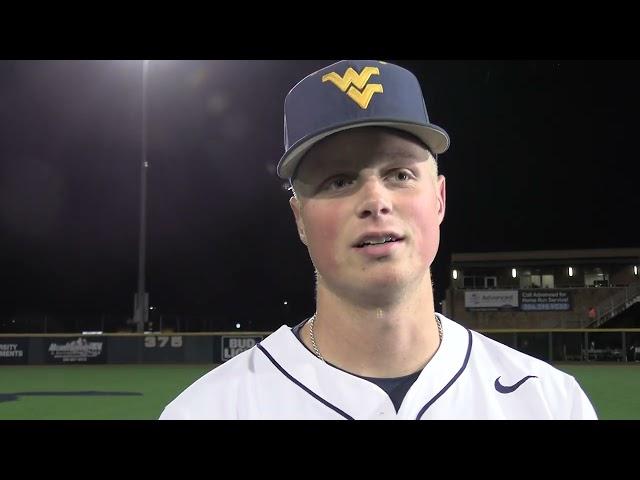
column 13, row 351
column 233, row 345
column 491, row 299
column 545, row 300
column 66, row 350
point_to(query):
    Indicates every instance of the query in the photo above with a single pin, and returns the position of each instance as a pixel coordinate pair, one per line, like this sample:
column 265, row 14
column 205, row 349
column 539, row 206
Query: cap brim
column 431, row 135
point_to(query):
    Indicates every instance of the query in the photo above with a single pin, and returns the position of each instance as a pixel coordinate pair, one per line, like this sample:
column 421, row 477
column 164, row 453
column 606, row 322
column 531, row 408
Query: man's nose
column 375, row 199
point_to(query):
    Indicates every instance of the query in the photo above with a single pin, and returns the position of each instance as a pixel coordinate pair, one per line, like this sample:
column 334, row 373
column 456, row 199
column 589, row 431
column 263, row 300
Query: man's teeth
column 378, row 241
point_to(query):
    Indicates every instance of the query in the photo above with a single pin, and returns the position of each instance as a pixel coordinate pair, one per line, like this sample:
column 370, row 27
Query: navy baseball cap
column 350, row 94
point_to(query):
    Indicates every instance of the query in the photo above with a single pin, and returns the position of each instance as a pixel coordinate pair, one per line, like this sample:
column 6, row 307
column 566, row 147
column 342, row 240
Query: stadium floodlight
column 141, row 314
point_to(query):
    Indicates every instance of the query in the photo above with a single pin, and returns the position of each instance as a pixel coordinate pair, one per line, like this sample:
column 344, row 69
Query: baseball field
column 140, row 392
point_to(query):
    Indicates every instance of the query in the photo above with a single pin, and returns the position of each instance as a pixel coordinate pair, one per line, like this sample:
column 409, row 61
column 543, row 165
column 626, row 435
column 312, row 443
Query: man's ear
column 295, row 208
column 441, row 194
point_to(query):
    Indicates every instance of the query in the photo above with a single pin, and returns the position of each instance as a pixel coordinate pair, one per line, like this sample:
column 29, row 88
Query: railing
column 558, row 286
column 616, row 304
column 574, row 344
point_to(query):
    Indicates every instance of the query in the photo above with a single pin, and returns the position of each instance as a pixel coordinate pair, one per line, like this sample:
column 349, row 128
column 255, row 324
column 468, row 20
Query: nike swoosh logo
column 508, row 389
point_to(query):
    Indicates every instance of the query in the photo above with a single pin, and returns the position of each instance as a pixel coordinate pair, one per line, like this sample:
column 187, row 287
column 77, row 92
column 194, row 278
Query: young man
column 368, row 203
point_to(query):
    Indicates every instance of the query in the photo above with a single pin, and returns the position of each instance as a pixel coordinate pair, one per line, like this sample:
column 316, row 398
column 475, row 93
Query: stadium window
column 547, row 281
column 468, row 281
column 490, row 282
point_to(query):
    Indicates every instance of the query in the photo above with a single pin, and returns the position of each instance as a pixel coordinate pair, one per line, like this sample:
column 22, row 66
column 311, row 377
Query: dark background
column 543, row 156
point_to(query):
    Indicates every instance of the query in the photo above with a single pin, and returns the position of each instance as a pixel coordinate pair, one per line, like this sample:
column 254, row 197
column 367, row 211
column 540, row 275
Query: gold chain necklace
column 316, row 350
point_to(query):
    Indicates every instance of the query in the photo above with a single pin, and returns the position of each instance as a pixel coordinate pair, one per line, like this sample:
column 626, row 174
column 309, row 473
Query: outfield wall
column 154, row 348
column 615, row 345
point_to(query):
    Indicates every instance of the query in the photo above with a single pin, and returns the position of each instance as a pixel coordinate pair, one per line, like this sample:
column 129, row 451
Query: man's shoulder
column 213, row 394
column 489, row 352
column 218, row 393
column 526, row 387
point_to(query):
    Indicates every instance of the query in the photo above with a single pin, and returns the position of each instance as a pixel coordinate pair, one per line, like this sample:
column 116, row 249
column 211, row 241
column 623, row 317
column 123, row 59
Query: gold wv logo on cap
column 353, row 82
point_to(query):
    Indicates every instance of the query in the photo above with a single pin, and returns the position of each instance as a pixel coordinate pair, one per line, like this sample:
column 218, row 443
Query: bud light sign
column 232, row 346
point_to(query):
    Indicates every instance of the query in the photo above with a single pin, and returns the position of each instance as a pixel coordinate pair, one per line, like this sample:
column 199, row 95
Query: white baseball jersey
column 469, row 377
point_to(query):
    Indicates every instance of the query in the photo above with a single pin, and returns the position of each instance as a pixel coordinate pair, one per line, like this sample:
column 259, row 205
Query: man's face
column 369, row 181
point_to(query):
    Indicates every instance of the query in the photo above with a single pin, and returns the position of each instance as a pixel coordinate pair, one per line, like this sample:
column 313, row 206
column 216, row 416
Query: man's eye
column 338, row 183
column 402, row 175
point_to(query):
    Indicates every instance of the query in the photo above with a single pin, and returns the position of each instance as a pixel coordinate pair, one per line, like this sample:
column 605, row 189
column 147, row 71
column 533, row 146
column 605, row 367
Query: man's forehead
column 363, row 148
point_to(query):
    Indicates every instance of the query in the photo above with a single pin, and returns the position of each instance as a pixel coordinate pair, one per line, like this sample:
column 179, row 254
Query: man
column 360, row 153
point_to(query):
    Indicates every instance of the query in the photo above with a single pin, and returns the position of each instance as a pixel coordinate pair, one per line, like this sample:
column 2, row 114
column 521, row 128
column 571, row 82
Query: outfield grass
column 158, row 384
column 123, row 392
column 614, row 389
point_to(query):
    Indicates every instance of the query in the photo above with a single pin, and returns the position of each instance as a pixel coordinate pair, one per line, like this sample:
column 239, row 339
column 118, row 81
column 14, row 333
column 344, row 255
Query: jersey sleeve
column 172, row 413
column 581, row 409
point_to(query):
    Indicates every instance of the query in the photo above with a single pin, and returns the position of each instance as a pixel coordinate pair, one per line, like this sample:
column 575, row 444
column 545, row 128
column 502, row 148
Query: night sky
column 543, row 156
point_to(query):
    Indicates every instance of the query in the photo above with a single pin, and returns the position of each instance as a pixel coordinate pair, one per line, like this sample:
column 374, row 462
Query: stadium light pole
column 141, row 310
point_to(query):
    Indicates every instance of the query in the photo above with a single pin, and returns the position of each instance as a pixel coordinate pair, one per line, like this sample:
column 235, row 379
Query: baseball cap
column 350, row 94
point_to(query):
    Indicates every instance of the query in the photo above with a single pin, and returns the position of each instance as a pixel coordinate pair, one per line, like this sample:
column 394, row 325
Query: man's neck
column 385, row 340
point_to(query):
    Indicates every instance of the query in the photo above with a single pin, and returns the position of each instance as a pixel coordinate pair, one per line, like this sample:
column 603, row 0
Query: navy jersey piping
column 314, row 395
column 451, row 382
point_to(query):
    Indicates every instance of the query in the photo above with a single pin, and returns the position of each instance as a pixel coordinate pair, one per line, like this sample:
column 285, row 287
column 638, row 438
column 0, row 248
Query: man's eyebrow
column 389, row 158
column 405, row 155
column 325, row 171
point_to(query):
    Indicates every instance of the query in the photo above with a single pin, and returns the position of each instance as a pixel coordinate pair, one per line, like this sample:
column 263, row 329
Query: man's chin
column 373, row 284
column 377, row 284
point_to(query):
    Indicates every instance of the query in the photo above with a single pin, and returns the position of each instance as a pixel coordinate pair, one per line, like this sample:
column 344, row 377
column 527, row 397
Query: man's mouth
column 380, row 240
